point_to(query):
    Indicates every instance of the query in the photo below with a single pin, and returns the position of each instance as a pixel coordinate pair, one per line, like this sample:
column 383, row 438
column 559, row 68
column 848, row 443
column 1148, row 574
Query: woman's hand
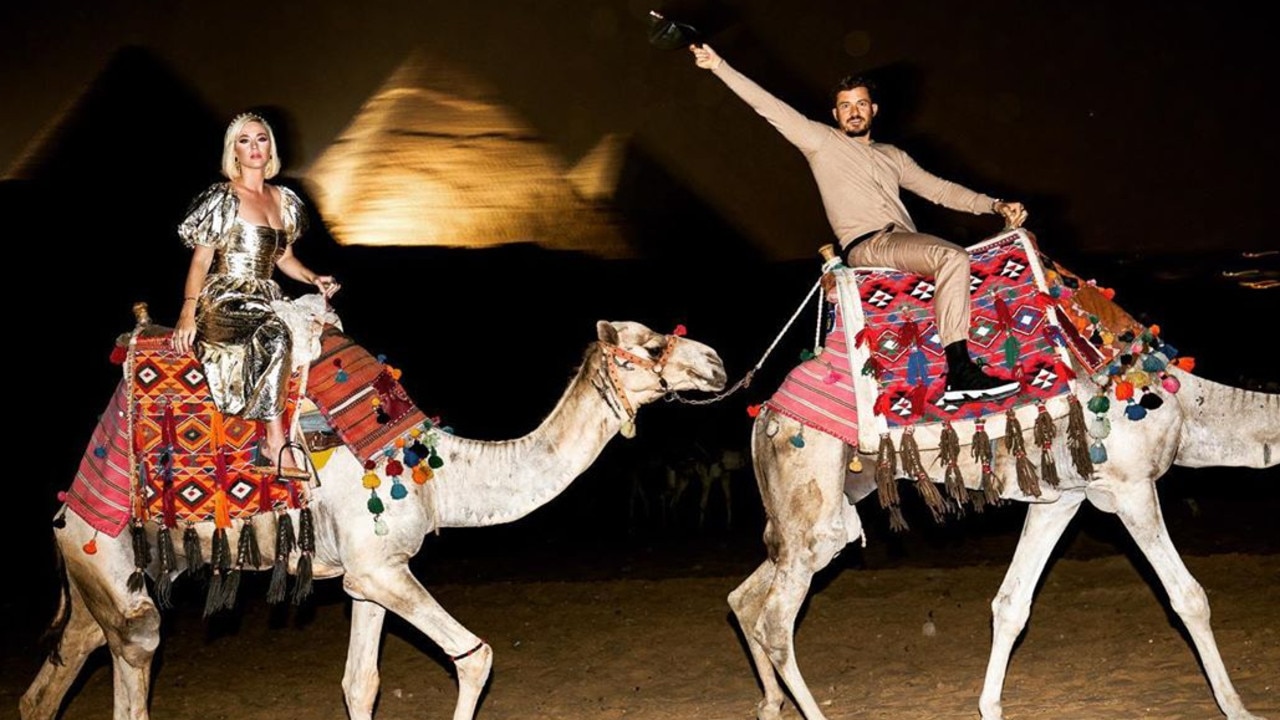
column 327, row 285
column 185, row 334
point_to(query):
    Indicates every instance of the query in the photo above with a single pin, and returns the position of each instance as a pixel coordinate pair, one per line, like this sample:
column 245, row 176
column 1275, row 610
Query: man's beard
column 862, row 132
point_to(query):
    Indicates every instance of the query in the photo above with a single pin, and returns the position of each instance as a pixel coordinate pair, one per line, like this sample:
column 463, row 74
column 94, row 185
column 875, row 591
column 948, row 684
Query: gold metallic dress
column 243, row 344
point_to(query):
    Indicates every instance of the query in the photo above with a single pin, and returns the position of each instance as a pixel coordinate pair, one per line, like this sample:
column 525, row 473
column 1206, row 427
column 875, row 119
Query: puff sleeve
column 210, row 216
column 293, row 214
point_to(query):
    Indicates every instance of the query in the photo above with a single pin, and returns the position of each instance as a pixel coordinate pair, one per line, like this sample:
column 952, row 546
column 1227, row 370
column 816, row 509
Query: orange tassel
column 221, row 509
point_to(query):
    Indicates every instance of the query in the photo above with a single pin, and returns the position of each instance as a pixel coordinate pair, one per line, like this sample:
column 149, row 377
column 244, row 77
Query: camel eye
column 655, row 352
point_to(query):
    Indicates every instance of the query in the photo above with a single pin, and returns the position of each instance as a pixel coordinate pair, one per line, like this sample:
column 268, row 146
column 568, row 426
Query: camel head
column 644, row 365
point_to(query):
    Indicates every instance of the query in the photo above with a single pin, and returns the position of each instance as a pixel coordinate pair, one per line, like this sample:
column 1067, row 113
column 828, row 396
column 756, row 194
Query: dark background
column 1138, row 134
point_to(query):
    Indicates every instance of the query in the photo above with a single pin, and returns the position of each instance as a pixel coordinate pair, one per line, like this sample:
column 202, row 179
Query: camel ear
column 607, row 332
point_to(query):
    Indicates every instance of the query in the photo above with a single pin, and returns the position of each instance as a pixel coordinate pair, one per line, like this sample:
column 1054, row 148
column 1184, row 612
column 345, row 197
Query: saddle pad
column 360, row 396
column 162, row 426
column 192, row 458
column 819, row 392
column 101, row 491
column 897, row 361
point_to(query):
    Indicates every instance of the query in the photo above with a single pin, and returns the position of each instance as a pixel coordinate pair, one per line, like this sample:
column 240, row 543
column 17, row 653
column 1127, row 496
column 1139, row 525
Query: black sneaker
column 967, row 382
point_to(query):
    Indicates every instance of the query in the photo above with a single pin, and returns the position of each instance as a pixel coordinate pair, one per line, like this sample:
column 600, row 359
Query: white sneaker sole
column 996, row 393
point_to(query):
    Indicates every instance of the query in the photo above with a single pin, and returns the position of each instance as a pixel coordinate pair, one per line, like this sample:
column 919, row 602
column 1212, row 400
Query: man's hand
column 704, row 57
column 1014, row 213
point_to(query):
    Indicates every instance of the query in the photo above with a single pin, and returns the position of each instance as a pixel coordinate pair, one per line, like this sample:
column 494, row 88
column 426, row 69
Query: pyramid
column 434, row 158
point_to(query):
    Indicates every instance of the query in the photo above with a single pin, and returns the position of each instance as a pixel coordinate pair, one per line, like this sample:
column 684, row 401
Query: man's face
column 853, row 112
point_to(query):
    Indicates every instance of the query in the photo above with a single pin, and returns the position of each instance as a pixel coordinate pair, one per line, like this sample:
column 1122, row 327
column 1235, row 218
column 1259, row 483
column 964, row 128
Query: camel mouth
column 713, row 383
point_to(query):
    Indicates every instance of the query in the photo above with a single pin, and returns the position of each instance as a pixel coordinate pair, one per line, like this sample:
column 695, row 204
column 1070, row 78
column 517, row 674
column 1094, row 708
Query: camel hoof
column 766, row 710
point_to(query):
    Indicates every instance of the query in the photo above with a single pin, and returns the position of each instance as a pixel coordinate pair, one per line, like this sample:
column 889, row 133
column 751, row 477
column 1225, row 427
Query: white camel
column 482, row 483
column 810, row 519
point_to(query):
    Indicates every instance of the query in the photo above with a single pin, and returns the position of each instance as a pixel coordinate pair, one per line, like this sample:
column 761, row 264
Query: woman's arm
column 291, row 266
column 185, row 333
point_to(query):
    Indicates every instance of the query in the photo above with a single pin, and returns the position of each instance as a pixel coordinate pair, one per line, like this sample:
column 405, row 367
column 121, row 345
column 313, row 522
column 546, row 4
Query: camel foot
column 768, row 710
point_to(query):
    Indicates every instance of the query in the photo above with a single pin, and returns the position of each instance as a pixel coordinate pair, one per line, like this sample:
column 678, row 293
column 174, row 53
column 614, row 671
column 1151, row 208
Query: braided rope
column 746, row 379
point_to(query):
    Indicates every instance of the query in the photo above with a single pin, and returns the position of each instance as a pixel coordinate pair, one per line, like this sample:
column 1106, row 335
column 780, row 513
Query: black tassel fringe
column 141, row 556
column 168, row 565
column 306, row 548
column 280, row 570
column 191, row 550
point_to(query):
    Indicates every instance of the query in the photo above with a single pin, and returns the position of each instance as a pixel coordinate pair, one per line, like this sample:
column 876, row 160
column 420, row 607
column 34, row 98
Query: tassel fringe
column 168, row 564
column 1028, row 483
column 191, row 550
column 220, row 561
column 887, row 483
column 1044, row 432
column 913, row 467
column 141, row 556
column 981, row 450
column 280, row 570
column 1078, row 439
column 307, row 548
column 949, row 455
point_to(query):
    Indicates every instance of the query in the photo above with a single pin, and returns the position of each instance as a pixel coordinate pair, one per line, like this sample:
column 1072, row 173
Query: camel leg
column 80, row 637
column 702, row 501
column 728, row 500
column 397, row 590
column 361, row 679
column 1139, row 510
column 1011, row 607
column 747, row 602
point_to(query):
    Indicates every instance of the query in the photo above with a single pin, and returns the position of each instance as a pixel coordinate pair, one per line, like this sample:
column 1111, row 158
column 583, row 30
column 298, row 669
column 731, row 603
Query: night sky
column 1138, row 134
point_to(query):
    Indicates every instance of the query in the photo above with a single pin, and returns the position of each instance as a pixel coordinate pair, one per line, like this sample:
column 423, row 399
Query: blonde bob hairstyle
column 231, row 168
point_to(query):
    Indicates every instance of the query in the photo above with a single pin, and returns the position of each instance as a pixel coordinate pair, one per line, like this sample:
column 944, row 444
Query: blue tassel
column 1098, row 453
column 1135, row 411
column 797, row 440
column 398, row 491
column 917, row 368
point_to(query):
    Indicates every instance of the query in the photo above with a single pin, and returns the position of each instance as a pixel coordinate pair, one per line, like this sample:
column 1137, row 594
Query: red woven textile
column 163, row 427
column 360, row 397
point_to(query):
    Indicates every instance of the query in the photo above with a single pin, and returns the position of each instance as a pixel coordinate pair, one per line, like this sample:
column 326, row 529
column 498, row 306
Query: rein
column 746, row 379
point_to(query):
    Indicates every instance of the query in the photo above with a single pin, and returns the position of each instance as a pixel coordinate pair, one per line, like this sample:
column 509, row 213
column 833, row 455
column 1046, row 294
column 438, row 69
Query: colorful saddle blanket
column 360, row 396
column 163, row 434
column 882, row 367
column 163, row 431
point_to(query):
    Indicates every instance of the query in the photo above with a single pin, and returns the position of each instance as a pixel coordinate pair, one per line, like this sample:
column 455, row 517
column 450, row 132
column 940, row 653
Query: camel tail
column 1225, row 426
column 51, row 640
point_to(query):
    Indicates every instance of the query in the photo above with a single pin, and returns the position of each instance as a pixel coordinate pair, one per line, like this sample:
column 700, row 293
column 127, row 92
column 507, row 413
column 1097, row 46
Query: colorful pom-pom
column 680, row 331
column 753, row 410
column 375, row 504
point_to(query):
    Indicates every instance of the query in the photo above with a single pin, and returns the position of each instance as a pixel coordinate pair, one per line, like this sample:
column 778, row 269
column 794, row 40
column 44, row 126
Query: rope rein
column 746, row 379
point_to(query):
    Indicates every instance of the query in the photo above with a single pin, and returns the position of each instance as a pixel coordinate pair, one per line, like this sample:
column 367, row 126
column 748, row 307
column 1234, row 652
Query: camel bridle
column 615, row 357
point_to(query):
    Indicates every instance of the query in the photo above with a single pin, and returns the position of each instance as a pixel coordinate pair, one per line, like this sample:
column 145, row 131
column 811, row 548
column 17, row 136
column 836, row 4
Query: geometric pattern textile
column 359, row 396
column 192, row 460
column 895, row 359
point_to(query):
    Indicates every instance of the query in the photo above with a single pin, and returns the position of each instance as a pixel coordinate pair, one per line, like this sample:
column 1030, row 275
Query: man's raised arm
column 798, row 129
